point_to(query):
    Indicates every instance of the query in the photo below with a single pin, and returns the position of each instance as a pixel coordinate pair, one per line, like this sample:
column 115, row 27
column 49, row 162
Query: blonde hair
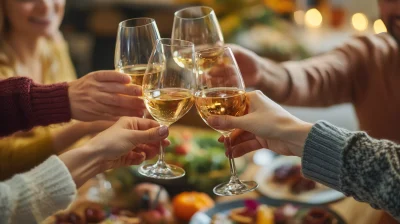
column 8, row 58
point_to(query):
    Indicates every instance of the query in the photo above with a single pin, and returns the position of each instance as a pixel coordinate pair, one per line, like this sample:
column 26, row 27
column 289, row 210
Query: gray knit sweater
column 355, row 164
column 32, row 196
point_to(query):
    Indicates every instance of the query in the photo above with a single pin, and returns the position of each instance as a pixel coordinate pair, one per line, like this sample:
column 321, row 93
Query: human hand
column 104, row 95
column 250, row 65
column 128, row 142
column 261, row 73
column 267, row 125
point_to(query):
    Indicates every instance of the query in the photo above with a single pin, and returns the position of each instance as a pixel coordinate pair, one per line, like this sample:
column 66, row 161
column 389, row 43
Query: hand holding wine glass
column 168, row 88
column 221, row 91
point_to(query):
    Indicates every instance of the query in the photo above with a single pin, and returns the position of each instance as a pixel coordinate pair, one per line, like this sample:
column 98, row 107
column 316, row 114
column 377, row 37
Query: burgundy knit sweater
column 24, row 104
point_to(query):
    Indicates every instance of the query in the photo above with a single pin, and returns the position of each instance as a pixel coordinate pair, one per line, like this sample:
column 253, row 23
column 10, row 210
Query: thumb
column 151, row 135
column 225, row 122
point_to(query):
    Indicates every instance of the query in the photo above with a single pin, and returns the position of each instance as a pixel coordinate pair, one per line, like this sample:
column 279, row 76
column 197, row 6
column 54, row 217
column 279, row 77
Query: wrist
column 72, row 98
column 274, row 80
column 83, row 127
column 295, row 134
column 83, row 163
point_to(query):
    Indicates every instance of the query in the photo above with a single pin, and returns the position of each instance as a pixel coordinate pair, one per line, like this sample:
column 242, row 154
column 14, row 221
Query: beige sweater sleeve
column 330, row 78
column 32, row 196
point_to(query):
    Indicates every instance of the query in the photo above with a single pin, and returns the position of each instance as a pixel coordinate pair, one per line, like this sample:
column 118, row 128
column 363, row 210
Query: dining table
column 352, row 211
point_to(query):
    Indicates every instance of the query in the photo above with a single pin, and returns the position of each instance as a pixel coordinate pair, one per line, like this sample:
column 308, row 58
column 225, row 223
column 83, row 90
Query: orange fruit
column 186, row 204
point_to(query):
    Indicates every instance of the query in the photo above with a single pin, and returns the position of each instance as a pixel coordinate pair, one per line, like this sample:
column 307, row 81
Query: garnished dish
column 255, row 213
column 266, row 211
column 282, row 179
column 291, row 176
column 148, row 204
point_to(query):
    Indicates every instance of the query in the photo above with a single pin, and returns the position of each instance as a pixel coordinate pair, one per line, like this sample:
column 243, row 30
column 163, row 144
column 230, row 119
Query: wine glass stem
column 231, row 160
column 161, row 162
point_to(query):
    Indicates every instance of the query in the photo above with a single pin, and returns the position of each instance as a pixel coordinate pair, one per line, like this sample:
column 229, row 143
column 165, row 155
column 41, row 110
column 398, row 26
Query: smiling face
column 34, row 18
column 390, row 14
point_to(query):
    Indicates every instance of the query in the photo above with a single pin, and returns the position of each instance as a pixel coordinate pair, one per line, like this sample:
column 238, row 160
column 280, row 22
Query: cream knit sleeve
column 32, row 196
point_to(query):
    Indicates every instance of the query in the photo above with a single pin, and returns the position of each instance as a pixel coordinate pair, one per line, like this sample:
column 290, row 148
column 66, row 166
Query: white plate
column 320, row 195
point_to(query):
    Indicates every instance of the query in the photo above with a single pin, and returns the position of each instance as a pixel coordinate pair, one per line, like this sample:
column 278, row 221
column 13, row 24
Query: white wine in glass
column 136, row 39
column 221, row 101
column 169, row 104
column 168, row 88
column 221, row 91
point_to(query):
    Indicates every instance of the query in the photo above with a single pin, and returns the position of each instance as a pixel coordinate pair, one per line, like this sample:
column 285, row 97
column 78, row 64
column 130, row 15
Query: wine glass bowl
column 168, row 88
column 136, row 39
column 199, row 25
column 221, row 91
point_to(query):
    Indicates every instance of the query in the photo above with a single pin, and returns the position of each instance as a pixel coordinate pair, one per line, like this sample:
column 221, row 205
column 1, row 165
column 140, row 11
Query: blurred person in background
column 31, row 45
column 365, row 71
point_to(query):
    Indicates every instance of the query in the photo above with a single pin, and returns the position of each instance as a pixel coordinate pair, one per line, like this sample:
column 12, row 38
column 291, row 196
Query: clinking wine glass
column 199, row 25
column 168, row 88
column 136, row 39
column 221, row 91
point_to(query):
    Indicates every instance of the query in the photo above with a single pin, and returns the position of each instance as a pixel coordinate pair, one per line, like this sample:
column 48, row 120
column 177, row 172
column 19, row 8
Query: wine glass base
column 229, row 188
column 167, row 172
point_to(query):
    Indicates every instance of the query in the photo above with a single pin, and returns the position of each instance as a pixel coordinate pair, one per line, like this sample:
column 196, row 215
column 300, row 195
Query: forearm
column 25, row 104
column 32, row 196
column 83, row 163
column 320, row 81
column 67, row 135
column 275, row 80
column 354, row 164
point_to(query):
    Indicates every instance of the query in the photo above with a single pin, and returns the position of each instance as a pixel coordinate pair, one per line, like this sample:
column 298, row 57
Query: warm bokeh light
column 298, row 17
column 359, row 21
column 313, row 18
column 379, row 26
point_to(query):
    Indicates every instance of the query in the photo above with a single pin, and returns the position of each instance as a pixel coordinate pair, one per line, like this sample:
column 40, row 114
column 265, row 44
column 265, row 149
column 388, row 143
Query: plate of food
column 266, row 211
column 146, row 203
column 282, row 179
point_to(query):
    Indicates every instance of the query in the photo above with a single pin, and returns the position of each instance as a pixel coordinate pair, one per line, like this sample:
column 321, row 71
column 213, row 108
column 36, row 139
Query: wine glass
column 168, row 88
column 199, row 25
column 221, row 91
column 136, row 39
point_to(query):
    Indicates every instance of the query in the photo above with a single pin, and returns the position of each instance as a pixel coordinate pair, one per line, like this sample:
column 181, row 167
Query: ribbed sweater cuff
column 42, row 191
column 50, row 104
column 322, row 156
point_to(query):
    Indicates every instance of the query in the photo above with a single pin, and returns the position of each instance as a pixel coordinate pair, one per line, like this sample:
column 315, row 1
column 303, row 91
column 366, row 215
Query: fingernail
column 163, row 130
column 213, row 121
